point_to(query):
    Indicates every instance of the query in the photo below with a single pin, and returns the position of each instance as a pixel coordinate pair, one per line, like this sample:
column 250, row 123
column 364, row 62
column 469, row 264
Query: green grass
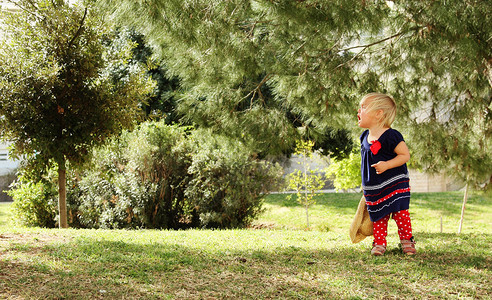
column 333, row 212
column 4, row 214
column 283, row 260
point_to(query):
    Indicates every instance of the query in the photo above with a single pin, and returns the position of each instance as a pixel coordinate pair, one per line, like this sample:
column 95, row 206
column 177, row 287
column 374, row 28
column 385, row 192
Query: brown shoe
column 408, row 246
column 378, row 250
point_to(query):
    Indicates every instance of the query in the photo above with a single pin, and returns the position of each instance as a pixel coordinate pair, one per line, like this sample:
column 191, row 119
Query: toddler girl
column 384, row 171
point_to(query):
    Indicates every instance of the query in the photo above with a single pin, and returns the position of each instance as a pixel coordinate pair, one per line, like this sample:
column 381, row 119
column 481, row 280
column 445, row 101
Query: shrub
column 160, row 176
column 346, row 172
column 35, row 203
column 138, row 181
column 228, row 184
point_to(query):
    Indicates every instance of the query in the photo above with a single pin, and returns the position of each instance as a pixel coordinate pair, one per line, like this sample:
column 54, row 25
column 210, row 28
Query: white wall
column 7, row 165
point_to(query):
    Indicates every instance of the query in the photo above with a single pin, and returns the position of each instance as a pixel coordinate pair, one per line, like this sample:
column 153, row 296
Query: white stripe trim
column 377, row 187
column 381, row 208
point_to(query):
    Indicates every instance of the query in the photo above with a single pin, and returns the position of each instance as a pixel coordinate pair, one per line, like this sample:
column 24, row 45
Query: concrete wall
column 419, row 182
column 8, row 168
column 317, row 162
column 428, row 183
column 5, row 181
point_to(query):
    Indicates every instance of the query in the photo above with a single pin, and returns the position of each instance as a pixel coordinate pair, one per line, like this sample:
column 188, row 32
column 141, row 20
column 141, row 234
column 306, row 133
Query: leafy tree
column 164, row 104
column 247, row 65
column 306, row 182
column 61, row 92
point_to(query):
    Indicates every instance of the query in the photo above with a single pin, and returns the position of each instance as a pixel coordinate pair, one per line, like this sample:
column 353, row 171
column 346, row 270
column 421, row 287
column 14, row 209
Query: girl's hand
column 402, row 156
column 380, row 167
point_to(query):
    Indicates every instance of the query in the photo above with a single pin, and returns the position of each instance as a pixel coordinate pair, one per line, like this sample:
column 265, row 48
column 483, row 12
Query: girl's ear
column 379, row 114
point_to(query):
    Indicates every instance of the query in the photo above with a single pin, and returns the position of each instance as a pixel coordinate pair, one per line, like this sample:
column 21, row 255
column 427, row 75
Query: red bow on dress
column 376, row 145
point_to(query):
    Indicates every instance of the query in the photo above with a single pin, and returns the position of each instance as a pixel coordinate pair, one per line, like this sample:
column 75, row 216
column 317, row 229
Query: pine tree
column 442, row 75
column 247, row 65
column 162, row 103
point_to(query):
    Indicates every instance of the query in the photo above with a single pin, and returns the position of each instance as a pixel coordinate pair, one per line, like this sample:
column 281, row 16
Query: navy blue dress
column 390, row 191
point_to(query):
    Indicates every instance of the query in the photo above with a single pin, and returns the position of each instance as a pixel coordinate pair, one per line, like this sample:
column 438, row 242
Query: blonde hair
column 382, row 102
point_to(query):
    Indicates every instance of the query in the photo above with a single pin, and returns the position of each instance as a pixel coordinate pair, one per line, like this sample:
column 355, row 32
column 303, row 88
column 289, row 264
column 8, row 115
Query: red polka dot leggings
column 402, row 219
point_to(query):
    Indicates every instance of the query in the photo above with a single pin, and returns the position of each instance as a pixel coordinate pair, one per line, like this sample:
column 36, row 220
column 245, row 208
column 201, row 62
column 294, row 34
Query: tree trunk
column 62, row 195
column 465, row 198
column 307, row 216
column 306, row 187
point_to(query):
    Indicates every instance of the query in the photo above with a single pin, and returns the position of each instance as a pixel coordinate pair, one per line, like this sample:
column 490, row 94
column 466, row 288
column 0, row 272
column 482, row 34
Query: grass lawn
column 278, row 258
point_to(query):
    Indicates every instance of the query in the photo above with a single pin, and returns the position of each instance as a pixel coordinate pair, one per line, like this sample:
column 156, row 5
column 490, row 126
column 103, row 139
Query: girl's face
column 367, row 118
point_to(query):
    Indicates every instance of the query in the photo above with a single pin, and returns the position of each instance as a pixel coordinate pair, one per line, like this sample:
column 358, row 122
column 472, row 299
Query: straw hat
column 361, row 226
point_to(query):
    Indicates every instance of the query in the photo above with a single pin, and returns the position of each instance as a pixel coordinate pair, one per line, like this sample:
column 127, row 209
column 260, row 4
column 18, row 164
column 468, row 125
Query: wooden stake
column 463, row 208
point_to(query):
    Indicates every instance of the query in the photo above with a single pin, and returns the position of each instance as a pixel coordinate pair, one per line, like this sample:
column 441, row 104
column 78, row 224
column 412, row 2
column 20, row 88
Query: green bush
column 161, row 176
column 157, row 176
column 35, row 203
column 227, row 185
column 137, row 181
column 346, row 172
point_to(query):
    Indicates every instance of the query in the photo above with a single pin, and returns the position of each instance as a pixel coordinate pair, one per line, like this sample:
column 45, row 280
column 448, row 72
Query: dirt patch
column 263, row 226
column 31, row 240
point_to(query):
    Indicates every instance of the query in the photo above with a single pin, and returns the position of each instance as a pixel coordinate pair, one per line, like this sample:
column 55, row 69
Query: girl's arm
column 402, row 156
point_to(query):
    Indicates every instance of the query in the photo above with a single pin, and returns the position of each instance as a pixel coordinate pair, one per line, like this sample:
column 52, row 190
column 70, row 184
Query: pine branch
column 367, row 46
column 332, row 47
column 250, row 34
column 257, row 89
column 380, row 41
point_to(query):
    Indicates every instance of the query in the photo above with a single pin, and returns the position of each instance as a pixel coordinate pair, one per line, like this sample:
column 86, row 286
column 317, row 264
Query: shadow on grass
column 447, row 265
